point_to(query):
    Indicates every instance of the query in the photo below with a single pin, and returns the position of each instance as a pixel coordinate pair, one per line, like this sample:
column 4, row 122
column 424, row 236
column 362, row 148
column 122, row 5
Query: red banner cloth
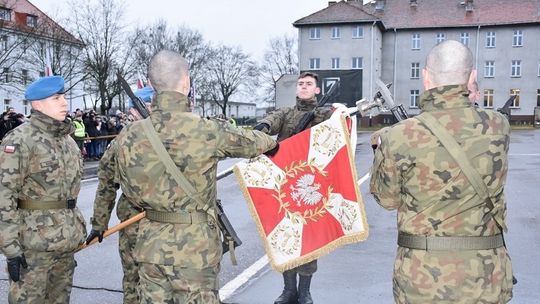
column 305, row 199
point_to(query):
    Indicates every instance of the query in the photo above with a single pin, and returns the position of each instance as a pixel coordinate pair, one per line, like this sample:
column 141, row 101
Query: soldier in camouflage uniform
column 178, row 246
column 450, row 243
column 103, row 206
column 40, row 225
column 283, row 123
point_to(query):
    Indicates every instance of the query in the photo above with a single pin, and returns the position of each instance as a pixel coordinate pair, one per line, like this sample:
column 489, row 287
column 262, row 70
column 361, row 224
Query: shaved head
column 448, row 63
column 168, row 71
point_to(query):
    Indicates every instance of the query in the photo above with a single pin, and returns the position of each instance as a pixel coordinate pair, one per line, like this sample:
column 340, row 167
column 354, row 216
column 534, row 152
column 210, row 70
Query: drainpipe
column 477, row 47
column 394, row 85
column 372, row 59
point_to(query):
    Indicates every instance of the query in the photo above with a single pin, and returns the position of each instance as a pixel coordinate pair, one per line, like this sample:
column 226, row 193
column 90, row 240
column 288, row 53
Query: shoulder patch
column 9, row 149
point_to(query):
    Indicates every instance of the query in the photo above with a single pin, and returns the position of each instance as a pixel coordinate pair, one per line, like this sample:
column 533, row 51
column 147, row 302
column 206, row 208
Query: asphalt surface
column 357, row 273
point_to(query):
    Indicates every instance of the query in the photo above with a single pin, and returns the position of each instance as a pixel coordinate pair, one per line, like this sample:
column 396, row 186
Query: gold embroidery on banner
column 286, row 240
column 327, row 140
column 257, row 176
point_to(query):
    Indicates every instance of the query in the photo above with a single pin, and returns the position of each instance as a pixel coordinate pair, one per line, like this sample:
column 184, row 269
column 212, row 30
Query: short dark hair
column 309, row 74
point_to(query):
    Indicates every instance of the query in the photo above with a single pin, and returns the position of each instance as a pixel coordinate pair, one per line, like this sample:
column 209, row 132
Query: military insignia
column 9, row 149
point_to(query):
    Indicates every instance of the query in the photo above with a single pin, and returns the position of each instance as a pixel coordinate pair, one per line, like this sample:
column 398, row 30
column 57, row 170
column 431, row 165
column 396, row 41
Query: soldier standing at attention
column 444, row 171
column 178, row 246
column 40, row 225
column 103, row 206
column 283, row 122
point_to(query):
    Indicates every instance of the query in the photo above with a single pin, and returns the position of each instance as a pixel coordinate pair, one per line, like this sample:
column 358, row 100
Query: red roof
column 21, row 9
column 400, row 14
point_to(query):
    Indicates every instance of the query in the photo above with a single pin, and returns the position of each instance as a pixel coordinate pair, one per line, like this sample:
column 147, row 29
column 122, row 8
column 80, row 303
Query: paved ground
column 358, row 273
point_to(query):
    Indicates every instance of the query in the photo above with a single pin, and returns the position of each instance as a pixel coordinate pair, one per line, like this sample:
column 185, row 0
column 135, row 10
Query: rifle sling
column 182, row 181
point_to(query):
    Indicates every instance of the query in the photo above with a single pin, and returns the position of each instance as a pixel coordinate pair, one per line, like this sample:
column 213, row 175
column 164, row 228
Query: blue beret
column 145, row 94
column 44, row 87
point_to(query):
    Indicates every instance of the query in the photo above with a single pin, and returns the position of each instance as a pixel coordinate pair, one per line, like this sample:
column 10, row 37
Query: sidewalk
column 90, row 169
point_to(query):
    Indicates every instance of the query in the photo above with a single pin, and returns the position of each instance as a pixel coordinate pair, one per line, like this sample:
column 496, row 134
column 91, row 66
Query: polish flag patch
column 9, row 149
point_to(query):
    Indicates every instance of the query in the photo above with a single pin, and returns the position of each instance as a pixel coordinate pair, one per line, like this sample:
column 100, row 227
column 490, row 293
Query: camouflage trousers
column 47, row 279
column 130, row 282
column 462, row 277
column 178, row 285
column 306, row 269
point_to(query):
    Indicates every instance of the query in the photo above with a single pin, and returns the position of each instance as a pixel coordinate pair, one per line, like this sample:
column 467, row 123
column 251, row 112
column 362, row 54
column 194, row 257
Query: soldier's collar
column 306, row 104
column 50, row 125
column 445, row 97
column 170, row 101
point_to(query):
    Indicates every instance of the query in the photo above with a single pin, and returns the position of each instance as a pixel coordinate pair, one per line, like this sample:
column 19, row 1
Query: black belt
column 32, row 204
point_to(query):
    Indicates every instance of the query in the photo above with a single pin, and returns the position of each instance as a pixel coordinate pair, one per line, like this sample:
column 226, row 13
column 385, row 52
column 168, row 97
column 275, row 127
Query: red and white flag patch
column 9, row 149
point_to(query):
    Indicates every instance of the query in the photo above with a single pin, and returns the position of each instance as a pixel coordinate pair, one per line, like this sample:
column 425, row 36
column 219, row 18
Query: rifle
column 308, row 117
column 137, row 102
column 229, row 234
column 505, row 110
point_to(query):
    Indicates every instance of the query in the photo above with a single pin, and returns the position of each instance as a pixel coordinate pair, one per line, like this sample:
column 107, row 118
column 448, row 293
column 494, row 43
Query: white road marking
column 228, row 290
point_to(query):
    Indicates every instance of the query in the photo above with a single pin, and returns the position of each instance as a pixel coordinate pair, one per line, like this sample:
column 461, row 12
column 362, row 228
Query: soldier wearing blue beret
column 40, row 225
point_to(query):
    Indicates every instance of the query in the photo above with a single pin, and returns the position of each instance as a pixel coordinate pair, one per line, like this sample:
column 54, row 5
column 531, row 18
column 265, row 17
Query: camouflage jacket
column 108, row 184
column 40, row 161
column 283, row 121
column 195, row 145
column 413, row 173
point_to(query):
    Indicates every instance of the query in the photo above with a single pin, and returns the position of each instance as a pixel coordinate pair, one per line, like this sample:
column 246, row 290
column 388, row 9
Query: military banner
column 304, row 199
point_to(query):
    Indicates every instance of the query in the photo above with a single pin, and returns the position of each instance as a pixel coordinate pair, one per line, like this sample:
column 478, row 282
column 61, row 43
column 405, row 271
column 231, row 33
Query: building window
column 7, row 104
column 515, row 92
column 31, row 20
column 24, row 77
column 464, row 38
column 415, row 70
column 516, row 68
column 336, row 33
column 4, row 43
column 440, row 37
column 315, row 33
column 335, row 63
column 314, row 63
column 415, row 41
column 5, row 14
column 25, row 106
column 357, row 63
column 489, row 69
column 358, row 32
column 414, row 98
column 490, row 39
column 7, row 75
column 517, row 39
column 538, row 98
column 488, row 98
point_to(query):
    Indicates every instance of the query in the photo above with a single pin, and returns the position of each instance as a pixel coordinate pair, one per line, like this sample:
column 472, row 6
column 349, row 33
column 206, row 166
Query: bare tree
column 229, row 70
column 99, row 25
column 280, row 58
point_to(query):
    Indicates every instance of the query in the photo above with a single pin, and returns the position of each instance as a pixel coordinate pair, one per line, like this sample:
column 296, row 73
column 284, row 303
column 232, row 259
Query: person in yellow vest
column 80, row 132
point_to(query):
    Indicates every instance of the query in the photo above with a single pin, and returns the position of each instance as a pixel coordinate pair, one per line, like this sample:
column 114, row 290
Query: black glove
column 93, row 234
column 14, row 267
column 261, row 127
column 272, row 151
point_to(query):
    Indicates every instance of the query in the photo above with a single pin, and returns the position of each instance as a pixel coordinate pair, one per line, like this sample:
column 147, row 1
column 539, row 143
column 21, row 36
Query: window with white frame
column 314, row 33
column 335, row 63
column 440, row 37
column 538, row 98
column 464, row 38
column 7, row 104
column 517, row 38
column 415, row 70
column 413, row 99
column 358, row 32
column 336, row 32
column 4, row 43
column 515, row 92
column 25, row 107
column 415, row 41
column 24, row 76
column 314, row 63
column 31, row 20
column 490, row 39
column 489, row 69
column 7, row 75
column 5, row 14
column 488, row 98
column 357, row 63
column 516, row 68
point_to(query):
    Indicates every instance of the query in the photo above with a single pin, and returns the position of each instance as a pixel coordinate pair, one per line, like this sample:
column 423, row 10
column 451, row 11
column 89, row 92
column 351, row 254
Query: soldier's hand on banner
column 263, row 127
column 93, row 234
column 272, row 151
column 14, row 267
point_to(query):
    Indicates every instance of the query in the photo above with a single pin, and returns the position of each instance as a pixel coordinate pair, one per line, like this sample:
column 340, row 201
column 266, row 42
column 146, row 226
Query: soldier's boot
column 304, row 296
column 289, row 294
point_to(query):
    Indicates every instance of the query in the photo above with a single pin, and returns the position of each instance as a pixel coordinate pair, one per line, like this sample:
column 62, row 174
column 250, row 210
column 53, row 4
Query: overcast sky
column 245, row 23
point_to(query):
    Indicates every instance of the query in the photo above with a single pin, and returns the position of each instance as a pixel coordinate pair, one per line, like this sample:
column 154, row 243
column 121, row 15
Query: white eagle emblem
column 306, row 191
